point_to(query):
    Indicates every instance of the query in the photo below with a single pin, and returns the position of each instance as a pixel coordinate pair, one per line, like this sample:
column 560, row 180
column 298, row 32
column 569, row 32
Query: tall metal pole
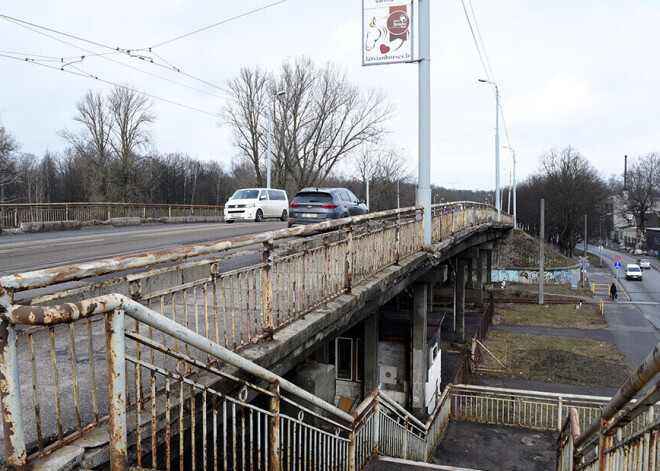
column 584, row 263
column 542, row 253
column 398, row 205
column 270, row 120
column 367, row 171
column 424, row 166
column 514, row 188
column 498, row 202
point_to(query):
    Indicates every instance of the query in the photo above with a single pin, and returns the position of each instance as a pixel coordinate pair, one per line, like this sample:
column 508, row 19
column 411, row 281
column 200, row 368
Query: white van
column 255, row 204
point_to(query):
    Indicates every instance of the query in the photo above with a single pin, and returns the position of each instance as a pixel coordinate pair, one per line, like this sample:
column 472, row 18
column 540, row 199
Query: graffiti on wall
column 560, row 275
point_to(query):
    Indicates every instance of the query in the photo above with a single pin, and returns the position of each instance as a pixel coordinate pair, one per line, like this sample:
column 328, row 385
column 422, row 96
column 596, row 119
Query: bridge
column 176, row 359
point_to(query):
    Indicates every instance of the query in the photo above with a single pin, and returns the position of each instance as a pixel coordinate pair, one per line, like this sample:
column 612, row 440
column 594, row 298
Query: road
column 645, row 294
column 27, row 252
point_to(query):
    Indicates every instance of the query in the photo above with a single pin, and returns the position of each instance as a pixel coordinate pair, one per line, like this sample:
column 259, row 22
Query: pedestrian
column 613, row 291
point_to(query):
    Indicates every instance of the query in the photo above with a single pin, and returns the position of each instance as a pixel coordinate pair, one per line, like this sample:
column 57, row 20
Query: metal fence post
column 560, row 403
column 349, row 257
column 268, row 289
column 274, row 427
column 15, row 216
column 114, row 325
column 405, row 441
column 397, row 246
column 66, row 211
column 12, row 420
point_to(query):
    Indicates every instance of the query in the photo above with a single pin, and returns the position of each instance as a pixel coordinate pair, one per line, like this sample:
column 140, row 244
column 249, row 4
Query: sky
column 580, row 73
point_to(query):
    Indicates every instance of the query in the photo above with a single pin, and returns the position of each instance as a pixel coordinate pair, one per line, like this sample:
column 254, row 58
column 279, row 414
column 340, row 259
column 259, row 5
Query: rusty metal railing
column 233, row 293
column 625, row 433
column 12, row 215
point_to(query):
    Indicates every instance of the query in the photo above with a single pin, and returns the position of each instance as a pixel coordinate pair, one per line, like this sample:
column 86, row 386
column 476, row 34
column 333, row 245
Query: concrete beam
column 486, row 246
column 371, row 363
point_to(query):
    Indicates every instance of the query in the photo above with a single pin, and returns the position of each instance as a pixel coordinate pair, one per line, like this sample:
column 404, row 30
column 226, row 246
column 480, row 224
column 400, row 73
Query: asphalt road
column 27, row 252
column 644, row 294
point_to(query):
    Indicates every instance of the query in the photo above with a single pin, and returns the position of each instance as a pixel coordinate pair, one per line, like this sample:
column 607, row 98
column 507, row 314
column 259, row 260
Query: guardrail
column 12, row 215
column 233, row 293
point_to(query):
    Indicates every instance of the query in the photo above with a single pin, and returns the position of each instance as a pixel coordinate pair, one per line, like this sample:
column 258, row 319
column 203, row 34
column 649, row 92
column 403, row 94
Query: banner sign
column 386, row 32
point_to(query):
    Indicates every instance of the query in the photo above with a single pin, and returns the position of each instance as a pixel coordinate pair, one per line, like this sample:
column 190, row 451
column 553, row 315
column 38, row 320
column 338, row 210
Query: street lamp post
column 498, row 203
column 270, row 123
column 513, row 152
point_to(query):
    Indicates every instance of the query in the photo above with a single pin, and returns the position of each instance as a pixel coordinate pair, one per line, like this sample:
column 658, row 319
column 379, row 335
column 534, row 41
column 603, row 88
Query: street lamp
column 498, row 203
column 513, row 152
column 270, row 120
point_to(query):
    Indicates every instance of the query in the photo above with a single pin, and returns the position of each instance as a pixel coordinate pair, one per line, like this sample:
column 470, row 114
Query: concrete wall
column 529, row 275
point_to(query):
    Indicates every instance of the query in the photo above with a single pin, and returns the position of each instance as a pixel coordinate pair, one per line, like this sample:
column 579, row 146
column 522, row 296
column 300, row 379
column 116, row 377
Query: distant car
column 633, row 272
column 255, row 204
column 312, row 205
column 644, row 264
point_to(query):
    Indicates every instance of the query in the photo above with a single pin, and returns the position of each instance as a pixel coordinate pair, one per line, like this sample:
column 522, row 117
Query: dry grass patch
column 564, row 360
column 550, row 315
column 531, row 290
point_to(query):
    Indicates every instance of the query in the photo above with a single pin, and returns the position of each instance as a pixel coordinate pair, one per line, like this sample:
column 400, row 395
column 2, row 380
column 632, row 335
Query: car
column 644, row 264
column 312, row 205
column 255, row 204
column 633, row 272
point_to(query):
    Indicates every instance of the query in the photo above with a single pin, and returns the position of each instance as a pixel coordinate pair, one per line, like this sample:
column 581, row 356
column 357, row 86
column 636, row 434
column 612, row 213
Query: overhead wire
column 218, row 23
column 487, row 70
column 103, row 56
column 86, row 74
column 115, row 50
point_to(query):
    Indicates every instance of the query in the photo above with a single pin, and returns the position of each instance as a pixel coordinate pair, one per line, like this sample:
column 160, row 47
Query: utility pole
column 584, row 262
column 424, row 107
column 398, row 205
column 542, row 254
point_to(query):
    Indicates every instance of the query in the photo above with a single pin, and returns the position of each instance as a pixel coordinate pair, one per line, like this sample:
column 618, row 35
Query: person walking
column 613, row 291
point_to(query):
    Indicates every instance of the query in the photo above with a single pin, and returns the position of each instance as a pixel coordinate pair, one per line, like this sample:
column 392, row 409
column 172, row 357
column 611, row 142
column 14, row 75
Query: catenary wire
column 115, row 50
column 103, row 56
column 218, row 23
column 79, row 72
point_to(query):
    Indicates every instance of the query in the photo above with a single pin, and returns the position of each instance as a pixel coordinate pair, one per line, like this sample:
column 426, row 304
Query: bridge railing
column 12, row 215
column 233, row 293
column 625, row 434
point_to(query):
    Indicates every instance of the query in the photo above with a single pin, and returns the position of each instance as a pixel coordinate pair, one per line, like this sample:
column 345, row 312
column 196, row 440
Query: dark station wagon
column 312, row 205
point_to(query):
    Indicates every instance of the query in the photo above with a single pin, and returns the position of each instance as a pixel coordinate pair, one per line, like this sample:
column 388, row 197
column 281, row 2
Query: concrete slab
column 496, row 447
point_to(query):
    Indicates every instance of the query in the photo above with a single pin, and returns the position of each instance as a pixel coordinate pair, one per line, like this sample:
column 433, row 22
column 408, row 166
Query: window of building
column 348, row 356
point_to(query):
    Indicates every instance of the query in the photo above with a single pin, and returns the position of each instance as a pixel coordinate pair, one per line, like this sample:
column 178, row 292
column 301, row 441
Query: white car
column 255, row 204
column 644, row 263
column 633, row 272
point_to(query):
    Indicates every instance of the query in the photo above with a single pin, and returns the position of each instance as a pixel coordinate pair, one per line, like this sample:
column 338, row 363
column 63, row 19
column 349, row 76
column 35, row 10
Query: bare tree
column 572, row 188
column 643, row 186
column 8, row 174
column 92, row 140
column 129, row 112
column 384, row 167
column 245, row 114
column 321, row 120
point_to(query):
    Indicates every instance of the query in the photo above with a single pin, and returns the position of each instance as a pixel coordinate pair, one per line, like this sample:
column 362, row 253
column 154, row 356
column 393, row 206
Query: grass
column 554, row 315
column 565, row 360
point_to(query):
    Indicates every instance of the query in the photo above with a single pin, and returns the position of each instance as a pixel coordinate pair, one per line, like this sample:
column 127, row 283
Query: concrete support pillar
column 470, row 274
column 489, row 266
column 371, row 334
column 460, row 300
column 419, row 350
column 480, row 279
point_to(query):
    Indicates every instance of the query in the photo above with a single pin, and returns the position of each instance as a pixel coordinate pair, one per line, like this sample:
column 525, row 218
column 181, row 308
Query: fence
column 232, row 293
column 12, row 215
column 625, row 434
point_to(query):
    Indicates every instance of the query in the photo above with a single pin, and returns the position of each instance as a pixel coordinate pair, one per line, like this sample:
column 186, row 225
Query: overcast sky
column 581, row 73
